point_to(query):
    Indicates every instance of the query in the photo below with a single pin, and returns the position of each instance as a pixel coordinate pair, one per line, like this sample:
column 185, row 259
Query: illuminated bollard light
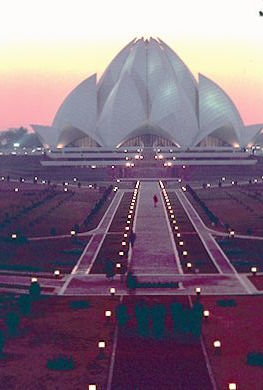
column 72, row 233
column 14, row 236
column 231, row 234
column 92, row 387
column 206, row 314
column 57, row 273
column 34, row 280
column 108, row 316
column 127, row 228
column 129, row 216
column 198, row 291
column 102, row 346
column 184, row 189
column 65, row 190
column 254, row 271
column 217, row 346
column 112, row 291
column 107, row 313
column 176, row 228
column 74, row 179
column 121, row 253
column 181, row 243
column 232, row 386
column 223, row 178
column 128, row 221
column 189, row 266
column 125, row 235
column 118, row 265
column 123, row 243
column 178, row 235
column 184, row 253
column 174, row 221
column 16, row 189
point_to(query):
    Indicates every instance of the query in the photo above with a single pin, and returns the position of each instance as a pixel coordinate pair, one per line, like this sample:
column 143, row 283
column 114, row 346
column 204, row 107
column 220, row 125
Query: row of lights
column 112, row 290
column 175, row 226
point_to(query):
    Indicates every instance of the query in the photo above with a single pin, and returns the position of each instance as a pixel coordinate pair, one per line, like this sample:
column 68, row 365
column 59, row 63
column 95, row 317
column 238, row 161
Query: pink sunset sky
column 47, row 48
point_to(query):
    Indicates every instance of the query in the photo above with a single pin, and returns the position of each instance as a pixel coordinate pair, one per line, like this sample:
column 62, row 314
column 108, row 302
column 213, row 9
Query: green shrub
column 255, row 359
column 61, row 363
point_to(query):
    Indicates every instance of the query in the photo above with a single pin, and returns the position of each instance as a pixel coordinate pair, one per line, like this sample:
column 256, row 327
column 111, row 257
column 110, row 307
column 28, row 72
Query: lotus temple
column 147, row 96
column 131, row 241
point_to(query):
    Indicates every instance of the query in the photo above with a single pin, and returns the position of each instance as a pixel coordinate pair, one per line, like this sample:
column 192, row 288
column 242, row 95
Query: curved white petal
column 216, row 110
column 183, row 75
column 71, row 134
column 79, row 109
column 48, row 135
column 111, row 75
column 251, row 133
column 173, row 111
column 122, row 113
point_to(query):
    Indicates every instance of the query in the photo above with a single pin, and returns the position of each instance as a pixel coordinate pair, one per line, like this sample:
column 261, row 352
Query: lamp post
column 232, row 386
column 198, row 291
column 217, row 347
column 254, row 271
column 112, row 291
column 57, row 273
column 101, row 345
column 206, row 314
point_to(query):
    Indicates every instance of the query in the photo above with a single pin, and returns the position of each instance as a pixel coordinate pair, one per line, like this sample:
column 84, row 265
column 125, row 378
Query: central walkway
column 154, row 251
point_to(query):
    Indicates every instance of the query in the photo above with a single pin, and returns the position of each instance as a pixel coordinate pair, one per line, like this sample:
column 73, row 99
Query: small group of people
column 151, row 320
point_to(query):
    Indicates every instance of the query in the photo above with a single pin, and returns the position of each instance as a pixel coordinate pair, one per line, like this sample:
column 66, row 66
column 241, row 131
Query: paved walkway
column 89, row 254
column 154, row 251
column 217, row 255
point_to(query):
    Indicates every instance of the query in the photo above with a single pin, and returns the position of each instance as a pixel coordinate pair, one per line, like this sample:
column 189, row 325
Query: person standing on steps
column 155, row 200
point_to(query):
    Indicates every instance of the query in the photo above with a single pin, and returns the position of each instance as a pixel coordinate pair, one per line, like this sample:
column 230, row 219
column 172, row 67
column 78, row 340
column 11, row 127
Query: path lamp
column 181, row 243
column 217, row 346
column 121, row 253
column 189, row 266
column 184, row 189
column 123, row 243
column 127, row 228
column 184, row 253
column 176, row 227
column 57, row 273
column 198, row 291
column 253, row 270
column 16, row 189
column 112, row 291
column 65, row 189
column 108, row 315
column 231, row 234
column 101, row 345
column 14, row 236
column 178, row 235
column 92, row 387
column 206, row 314
column 125, row 235
column 232, row 386
column 72, row 233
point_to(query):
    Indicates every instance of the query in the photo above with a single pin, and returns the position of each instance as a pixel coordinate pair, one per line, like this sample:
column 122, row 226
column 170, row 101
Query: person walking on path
column 155, row 200
column 110, row 269
column 132, row 238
